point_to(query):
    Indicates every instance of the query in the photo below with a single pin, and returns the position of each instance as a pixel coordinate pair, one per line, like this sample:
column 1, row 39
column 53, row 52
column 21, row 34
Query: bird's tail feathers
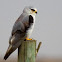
column 14, row 42
column 9, row 51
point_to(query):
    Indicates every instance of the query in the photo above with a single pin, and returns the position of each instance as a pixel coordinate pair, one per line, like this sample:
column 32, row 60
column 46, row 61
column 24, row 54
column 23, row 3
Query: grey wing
column 18, row 26
column 19, row 29
column 21, row 24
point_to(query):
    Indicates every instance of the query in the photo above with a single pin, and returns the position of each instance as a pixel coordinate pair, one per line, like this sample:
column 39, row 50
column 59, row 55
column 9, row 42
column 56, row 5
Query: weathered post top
column 27, row 51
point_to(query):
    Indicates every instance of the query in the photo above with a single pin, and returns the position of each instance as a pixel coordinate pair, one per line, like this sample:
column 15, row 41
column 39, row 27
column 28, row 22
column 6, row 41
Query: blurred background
column 48, row 27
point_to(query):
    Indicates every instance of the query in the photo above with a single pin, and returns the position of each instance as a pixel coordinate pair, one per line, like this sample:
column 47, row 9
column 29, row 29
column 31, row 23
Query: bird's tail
column 9, row 51
column 14, row 42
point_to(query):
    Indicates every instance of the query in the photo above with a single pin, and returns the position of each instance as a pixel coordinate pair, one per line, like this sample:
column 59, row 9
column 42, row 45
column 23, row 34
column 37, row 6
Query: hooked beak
column 36, row 12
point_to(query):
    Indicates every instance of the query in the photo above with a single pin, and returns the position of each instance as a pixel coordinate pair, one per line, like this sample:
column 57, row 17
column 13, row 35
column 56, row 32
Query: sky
column 48, row 26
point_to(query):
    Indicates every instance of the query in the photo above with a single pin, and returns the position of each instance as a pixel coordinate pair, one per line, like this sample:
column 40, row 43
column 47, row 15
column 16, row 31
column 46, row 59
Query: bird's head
column 30, row 10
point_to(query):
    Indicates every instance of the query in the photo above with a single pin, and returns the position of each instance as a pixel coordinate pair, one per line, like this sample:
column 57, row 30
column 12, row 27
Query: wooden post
column 27, row 51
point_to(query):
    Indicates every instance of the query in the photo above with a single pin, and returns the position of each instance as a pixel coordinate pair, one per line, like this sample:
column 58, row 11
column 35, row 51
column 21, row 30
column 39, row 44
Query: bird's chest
column 30, row 29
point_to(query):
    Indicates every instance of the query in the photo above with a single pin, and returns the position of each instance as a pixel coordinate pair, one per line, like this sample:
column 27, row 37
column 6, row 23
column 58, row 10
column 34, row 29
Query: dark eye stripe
column 32, row 9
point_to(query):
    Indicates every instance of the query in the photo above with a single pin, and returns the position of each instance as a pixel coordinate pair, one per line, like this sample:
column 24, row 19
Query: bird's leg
column 28, row 38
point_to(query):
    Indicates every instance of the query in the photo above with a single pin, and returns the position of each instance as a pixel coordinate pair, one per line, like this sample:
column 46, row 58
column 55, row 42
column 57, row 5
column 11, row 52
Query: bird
column 22, row 29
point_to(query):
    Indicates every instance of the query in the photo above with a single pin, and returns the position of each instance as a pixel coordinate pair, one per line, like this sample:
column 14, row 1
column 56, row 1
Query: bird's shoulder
column 22, row 22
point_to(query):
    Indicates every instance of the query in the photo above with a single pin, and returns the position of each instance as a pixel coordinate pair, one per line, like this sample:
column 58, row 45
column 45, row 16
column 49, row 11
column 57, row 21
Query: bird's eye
column 32, row 9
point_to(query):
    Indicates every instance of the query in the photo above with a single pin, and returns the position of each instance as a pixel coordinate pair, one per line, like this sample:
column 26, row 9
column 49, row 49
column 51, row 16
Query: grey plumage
column 22, row 28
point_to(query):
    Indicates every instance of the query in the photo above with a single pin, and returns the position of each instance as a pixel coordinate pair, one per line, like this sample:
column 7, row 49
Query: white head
column 30, row 10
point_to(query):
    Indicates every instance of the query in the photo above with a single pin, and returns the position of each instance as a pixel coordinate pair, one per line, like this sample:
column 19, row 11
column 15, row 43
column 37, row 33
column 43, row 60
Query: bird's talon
column 28, row 39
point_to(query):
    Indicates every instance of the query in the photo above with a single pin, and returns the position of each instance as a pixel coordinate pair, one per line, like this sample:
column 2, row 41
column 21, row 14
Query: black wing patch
column 30, row 20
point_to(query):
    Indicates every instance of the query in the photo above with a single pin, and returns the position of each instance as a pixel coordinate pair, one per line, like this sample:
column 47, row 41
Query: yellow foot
column 28, row 39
